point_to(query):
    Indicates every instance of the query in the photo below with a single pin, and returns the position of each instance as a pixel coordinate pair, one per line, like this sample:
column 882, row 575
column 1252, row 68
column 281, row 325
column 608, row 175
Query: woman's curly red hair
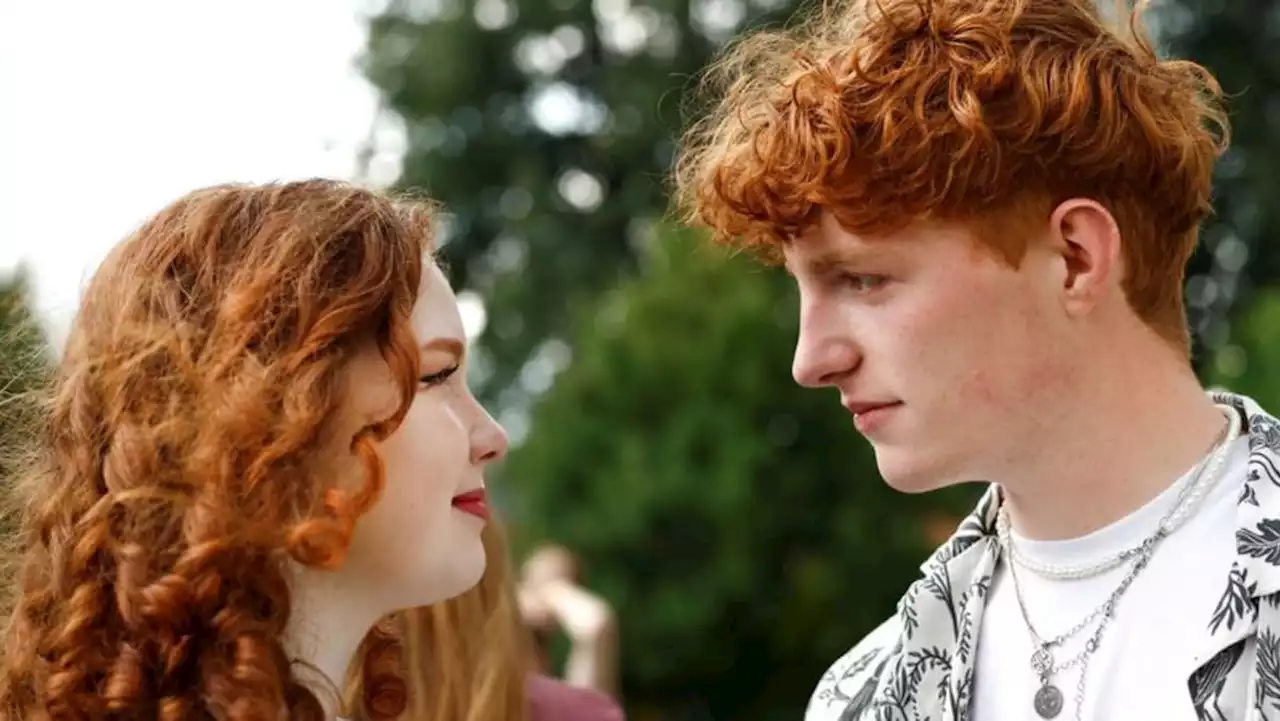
column 988, row 112
column 181, row 463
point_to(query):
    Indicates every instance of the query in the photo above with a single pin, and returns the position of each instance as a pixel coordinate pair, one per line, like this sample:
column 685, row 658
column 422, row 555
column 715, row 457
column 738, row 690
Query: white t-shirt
column 1147, row 653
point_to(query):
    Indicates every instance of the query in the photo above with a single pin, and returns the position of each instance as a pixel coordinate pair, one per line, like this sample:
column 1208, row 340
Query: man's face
column 941, row 350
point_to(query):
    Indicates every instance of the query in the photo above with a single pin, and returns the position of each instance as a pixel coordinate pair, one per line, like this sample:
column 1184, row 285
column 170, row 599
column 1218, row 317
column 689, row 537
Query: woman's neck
column 326, row 625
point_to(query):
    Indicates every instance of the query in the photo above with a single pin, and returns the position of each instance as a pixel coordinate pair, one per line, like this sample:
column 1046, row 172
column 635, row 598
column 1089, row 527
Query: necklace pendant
column 1042, row 661
column 1048, row 701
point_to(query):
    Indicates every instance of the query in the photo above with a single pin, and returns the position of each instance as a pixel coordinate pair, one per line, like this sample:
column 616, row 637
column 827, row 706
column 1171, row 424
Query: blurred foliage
column 547, row 128
column 1251, row 363
column 722, row 508
column 24, row 368
column 1235, row 40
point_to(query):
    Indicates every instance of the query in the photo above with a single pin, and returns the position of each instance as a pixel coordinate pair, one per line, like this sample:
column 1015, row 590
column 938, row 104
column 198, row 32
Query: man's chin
column 905, row 476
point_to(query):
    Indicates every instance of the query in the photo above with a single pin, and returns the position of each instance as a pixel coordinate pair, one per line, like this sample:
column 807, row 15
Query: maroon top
column 552, row 700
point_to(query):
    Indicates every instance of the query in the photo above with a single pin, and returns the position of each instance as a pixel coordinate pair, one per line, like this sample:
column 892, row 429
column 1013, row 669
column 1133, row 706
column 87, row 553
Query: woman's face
column 420, row 543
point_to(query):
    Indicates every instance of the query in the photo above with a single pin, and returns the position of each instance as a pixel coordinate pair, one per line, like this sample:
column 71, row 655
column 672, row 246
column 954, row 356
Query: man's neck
column 325, row 629
column 1125, row 434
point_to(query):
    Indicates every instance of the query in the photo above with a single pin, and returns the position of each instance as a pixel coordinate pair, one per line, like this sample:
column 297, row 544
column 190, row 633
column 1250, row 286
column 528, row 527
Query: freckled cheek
column 407, row 458
column 932, row 336
column 437, row 443
column 954, row 350
column 1009, row 365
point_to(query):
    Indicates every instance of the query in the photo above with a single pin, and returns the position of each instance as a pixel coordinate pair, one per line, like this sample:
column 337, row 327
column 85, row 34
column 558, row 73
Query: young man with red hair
column 988, row 207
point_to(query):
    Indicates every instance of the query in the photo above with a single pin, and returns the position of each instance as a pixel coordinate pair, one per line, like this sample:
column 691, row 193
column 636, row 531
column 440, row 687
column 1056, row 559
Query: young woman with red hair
column 260, row 443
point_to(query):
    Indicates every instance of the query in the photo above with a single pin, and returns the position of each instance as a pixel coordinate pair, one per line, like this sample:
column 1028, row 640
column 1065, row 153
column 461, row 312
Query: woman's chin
column 466, row 567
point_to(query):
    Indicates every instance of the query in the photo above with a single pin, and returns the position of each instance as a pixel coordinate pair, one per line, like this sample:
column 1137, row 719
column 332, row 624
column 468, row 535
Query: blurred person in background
column 472, row 659
column 227, row 494
column 552, row 598
column 988, row 207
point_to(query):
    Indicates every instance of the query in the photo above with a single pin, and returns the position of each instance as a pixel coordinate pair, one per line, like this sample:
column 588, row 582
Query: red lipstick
column 474, row 502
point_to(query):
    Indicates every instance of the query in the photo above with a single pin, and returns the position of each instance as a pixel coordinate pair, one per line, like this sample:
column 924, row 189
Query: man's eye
column 862, row 282
column 436, row 379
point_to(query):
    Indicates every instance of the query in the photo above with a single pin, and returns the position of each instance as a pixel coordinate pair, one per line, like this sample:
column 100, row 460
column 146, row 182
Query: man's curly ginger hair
column 190, row 454
column 988, row 112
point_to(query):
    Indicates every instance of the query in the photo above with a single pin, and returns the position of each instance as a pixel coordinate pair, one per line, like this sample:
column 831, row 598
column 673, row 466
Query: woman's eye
column 436, row 379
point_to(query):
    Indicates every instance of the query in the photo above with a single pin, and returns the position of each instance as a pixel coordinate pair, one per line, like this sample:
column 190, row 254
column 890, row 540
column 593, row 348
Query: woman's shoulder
column 554, row 700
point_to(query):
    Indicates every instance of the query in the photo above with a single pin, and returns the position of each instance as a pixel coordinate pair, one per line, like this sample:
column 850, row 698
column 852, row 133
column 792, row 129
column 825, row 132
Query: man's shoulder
column 845, row 690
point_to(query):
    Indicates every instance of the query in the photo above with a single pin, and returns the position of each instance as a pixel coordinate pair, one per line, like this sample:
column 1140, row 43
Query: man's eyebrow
column 829, row 261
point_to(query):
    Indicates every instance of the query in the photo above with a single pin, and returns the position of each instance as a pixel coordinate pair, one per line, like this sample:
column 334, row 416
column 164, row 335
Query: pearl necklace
column 1048, row 699
column 1188, row 500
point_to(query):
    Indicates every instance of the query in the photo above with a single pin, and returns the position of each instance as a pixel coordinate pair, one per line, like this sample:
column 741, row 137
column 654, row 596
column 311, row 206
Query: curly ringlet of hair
column 988, row 112
column 190, row 451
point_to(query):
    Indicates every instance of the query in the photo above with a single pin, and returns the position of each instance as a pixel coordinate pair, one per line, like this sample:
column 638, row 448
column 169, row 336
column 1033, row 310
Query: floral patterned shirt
column 919, row 664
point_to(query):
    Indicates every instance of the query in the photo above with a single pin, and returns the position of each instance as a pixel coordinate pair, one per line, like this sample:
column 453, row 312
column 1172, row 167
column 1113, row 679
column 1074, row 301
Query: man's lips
column 474, row 502
column 868, row 416
column 859, row 407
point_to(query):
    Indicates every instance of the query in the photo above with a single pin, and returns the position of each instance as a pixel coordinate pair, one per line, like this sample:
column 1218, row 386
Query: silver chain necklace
column 1188, row 500
column 1048, row 699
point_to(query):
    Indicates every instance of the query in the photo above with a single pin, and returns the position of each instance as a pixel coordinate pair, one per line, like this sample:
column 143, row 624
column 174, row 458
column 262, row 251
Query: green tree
column 1250, row 364
column 736, row 520
column 547, row 128
column 1235, row 40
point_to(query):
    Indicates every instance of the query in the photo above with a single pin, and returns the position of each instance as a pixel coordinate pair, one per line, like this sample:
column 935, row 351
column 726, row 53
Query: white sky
column 110, row 110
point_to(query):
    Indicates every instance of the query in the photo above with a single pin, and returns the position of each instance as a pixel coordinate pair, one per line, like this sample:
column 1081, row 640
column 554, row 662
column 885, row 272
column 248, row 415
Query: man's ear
column 1086, row 239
